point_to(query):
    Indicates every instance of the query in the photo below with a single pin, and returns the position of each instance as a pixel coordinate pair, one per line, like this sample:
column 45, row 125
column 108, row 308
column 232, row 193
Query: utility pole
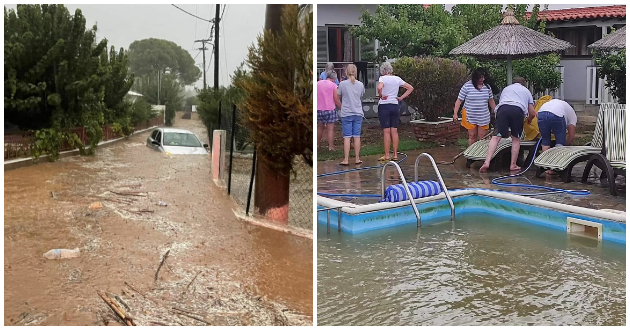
column 203, row 48
column 216, row 48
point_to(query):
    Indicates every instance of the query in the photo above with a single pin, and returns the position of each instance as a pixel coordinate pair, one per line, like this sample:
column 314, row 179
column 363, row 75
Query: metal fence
column 239, row 178
column 18, row 144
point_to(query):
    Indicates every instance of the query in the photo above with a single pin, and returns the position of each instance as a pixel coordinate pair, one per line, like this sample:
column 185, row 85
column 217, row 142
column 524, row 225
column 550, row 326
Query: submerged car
column 176, row 141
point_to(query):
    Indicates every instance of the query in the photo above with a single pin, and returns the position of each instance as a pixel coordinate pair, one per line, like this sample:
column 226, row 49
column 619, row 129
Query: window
column 579, row 37
column 158, row 138
column 154, row 134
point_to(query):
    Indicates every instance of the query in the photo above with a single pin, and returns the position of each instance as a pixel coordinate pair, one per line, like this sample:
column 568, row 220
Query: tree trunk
column 271, row 198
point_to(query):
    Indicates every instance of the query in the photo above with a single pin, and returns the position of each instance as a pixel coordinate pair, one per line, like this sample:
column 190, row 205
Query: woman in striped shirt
column 477, row 96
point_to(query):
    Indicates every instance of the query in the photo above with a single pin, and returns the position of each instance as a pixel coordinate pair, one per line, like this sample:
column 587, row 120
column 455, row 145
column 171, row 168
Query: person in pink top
column 326, row 102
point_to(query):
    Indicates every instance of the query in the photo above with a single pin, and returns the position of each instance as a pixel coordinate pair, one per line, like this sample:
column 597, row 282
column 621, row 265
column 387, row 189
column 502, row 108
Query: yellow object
column 468, row 125
column 531, row 130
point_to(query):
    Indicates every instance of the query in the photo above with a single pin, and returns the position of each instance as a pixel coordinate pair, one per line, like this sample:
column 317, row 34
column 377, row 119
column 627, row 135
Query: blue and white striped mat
column 396, row 193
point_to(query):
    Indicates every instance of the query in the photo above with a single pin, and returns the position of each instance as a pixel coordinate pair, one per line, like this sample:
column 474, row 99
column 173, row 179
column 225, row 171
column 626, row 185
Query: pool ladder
column 406, row 186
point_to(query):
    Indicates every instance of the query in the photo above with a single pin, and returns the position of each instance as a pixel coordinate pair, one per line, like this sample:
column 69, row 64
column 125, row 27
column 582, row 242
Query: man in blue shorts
column 515, row 103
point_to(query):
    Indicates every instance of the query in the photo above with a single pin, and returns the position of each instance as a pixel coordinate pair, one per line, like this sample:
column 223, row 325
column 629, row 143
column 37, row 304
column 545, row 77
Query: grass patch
column 370, row 150
column 462, row 142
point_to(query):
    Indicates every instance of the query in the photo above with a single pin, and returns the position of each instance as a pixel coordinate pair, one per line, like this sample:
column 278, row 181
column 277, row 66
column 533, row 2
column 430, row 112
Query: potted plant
column 437, row 82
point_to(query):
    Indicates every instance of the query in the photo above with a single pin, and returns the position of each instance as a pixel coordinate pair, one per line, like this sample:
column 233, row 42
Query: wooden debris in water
column 117, row 309
column 162, row 263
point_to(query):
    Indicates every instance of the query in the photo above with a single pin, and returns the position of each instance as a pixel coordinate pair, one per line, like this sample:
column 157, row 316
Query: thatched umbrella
column 510, row 40
column 615, row 40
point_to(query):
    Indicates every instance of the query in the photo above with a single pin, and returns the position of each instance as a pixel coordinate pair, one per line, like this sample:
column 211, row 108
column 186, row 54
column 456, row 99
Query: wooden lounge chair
column 612, row 159
column 562, row 159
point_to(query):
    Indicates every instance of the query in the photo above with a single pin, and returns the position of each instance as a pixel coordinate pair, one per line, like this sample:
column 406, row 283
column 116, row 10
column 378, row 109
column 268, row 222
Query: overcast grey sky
column 123, row 24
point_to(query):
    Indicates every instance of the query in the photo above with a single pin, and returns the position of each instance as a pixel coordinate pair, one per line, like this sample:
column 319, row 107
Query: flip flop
column 342, row 164
column 383, row 159
column 359, row 162
column 394, row 158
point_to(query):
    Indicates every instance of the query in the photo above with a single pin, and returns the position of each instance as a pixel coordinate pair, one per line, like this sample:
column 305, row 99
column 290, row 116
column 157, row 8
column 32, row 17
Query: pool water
column 479, row 270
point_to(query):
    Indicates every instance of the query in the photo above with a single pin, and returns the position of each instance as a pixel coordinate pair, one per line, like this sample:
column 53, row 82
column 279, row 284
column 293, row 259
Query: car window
column 158, row 138
column 181, row 140
column 154, row 134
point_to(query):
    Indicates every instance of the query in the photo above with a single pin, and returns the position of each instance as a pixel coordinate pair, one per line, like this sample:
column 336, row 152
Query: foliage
column 148, row 56
column 410, row 30
column 613, row 69
column 278, row 100
column 405, row 144
column 141, row 112
column 439, row 81
column 171, row 93
column 190, row 101
column 57, row 76
column 49, row 142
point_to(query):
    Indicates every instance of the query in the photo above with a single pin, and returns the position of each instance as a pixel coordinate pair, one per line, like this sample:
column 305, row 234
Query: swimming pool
column 362, row 218
column 505, row 259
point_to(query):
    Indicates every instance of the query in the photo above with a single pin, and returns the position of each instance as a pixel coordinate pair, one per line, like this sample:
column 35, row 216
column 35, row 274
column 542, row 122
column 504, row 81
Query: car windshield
column 181, row 140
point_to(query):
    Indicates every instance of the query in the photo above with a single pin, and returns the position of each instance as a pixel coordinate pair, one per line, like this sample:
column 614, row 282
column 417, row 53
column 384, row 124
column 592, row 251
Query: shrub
column 436, row 83
column 613, row 69
column 141, row 111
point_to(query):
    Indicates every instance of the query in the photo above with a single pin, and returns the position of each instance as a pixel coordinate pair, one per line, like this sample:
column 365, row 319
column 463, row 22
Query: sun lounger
column 612, row 159
column 562, row 159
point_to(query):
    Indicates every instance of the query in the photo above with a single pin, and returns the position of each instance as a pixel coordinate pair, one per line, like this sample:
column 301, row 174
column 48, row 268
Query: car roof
column 175, row 130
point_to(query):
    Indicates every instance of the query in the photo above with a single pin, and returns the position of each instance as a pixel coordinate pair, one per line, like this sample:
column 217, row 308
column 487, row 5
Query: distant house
column 581, row 27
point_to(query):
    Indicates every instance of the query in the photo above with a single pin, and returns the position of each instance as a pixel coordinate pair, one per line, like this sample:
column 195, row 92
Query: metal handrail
column 448, row 196
column 338, row 208
column 402, row 177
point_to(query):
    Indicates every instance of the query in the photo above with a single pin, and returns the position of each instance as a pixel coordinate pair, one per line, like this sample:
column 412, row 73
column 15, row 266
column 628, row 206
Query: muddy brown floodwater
column 219, row 269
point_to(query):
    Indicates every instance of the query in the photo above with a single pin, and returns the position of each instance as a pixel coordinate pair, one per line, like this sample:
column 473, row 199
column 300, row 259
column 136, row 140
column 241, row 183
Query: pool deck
column 457, row 176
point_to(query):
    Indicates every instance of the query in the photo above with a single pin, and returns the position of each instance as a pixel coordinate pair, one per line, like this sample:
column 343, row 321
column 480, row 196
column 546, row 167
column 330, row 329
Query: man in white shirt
column 515, row 103
column 556, row 117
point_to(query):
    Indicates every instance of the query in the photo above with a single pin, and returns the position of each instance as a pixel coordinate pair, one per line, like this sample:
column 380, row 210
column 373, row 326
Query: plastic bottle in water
column 62, row 254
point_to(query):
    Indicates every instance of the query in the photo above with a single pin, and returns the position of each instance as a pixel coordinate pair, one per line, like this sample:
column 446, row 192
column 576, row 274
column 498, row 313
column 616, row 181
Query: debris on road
column 62, row 254
column 161, row 264
column 96, row 206
column 162, row 203
column 117, row 309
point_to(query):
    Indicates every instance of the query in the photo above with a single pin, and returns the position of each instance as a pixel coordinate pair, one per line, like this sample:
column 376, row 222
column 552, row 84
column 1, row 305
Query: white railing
column 372, row 74
column 557, row 93
column 596, row 90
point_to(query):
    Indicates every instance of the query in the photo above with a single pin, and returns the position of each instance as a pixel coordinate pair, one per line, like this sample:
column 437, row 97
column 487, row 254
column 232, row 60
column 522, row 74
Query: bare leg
column 330, row 129
column 395, row 141
column 492, row 147
column 387, row 141
column 481, row 133
column 346, row 150
column 320, row 131
column 516, row 146
column 357, row 149
column 472, row 136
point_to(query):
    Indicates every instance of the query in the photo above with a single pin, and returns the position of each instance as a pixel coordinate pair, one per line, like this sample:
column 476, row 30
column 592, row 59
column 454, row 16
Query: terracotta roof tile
column 583, row 13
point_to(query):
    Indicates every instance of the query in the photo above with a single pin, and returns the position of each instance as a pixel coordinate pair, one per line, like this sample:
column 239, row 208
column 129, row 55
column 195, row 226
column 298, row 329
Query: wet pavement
column 219, row 269
column 458, row 176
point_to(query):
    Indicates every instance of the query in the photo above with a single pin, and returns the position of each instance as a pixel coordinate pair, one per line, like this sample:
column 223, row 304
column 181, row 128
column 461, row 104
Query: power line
column 203, row 19
column 195, row 25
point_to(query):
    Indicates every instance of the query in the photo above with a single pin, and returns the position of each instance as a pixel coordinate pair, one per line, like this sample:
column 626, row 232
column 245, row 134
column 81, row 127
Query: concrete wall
column 341, row 14
column 575, row 78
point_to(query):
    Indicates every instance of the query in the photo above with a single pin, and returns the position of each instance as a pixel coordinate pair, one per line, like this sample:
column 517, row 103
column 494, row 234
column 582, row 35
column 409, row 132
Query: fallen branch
column 191, row 316
column 191, row 282
column 131, row 193
column 162, row 263
column 117, row 310
column 118, row 201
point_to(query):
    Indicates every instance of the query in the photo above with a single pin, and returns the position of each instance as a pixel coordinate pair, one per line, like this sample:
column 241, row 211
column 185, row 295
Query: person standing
column 349, row 93
column 326, row 114
column 330, row 67
column 477, row 97
column 515, row 103
column 388, row 113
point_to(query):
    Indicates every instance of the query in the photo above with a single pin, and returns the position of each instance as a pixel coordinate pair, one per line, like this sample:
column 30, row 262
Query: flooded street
column 218, row 269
